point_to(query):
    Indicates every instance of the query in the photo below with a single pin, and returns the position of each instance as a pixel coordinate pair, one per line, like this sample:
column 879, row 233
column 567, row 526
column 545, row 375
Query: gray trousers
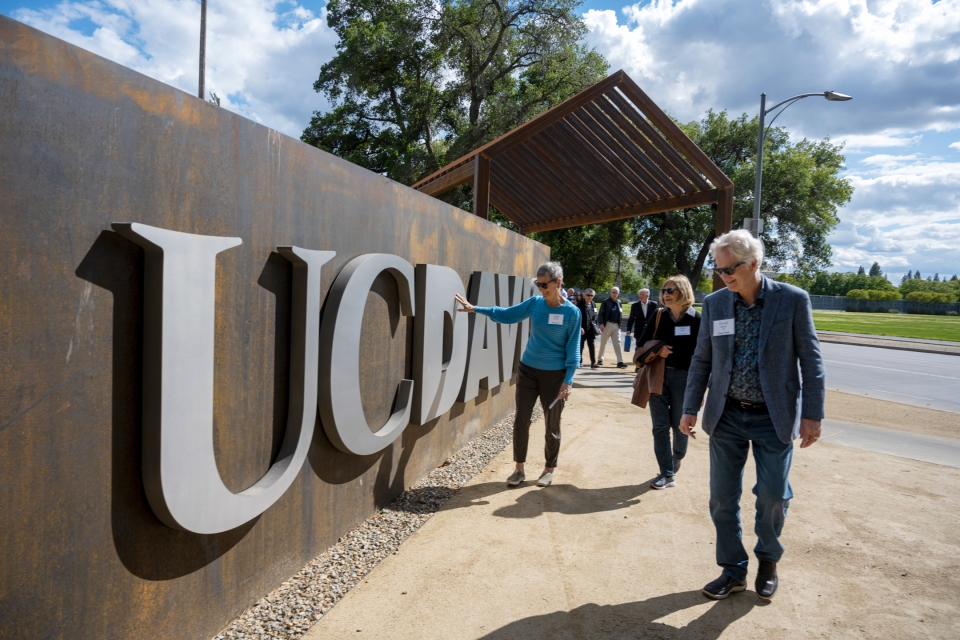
column 532, row 384
column 611, row 331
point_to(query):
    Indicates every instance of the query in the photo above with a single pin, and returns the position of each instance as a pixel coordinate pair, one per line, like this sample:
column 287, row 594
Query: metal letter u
column 180, row 474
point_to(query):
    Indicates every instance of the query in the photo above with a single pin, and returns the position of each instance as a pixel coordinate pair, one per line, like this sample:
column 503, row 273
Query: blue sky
column 900, row 59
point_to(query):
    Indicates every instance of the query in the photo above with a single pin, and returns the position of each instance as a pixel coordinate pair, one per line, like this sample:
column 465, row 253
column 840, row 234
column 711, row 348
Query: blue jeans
column 729, row 446
column 665, row 411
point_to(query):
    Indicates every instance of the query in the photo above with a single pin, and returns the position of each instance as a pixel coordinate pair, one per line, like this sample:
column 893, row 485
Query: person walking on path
column 611, row 313
column 640, row 315
column 759, row 351
column 677, row 324
column 588, row 325
column 547, row 365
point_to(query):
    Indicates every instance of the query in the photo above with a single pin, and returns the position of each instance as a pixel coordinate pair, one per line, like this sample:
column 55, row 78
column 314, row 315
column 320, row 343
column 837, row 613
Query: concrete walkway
column 872, row 542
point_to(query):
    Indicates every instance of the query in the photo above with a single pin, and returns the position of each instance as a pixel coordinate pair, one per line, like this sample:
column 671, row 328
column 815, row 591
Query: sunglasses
column 670, row 290
column 588, row 295
column 728, row 271
column 543, row 285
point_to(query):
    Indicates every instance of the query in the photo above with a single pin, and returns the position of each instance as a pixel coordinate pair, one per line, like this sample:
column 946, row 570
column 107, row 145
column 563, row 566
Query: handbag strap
column 656, row 324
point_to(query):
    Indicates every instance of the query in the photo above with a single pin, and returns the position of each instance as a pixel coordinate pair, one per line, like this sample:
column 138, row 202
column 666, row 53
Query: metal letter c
column 341, row 409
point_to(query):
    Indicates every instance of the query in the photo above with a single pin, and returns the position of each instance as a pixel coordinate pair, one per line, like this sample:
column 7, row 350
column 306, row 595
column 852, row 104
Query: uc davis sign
column 180, row 473
column 187, row 419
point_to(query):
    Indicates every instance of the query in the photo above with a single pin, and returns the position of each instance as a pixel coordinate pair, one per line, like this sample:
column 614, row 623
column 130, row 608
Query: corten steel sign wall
column 85, row 143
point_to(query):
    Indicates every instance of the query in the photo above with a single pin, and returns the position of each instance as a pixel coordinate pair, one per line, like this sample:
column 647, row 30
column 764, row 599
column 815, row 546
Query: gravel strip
column 296, row 605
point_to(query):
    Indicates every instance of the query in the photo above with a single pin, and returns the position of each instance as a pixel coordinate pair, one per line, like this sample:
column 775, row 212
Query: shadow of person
column 567, row 499
column 146, row 547
column 633, row 620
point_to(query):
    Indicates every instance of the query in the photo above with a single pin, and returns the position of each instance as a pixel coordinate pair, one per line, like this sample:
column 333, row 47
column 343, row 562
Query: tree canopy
column 416, row 84
column 802, row 191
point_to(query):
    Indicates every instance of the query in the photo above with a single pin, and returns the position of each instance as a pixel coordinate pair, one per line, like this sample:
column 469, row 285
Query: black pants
column 532, row 384
column 587, row 337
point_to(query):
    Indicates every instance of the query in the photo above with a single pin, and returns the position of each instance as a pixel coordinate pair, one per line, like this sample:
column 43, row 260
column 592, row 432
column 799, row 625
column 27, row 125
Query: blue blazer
column 791, row 367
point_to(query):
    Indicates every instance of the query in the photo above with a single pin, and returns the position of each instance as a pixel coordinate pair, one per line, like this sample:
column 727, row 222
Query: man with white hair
column 759, row 351
column 610, row 315
column 640, row 314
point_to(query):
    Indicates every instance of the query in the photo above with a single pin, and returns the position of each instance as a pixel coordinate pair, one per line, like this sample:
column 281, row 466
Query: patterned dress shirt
column 745, row 379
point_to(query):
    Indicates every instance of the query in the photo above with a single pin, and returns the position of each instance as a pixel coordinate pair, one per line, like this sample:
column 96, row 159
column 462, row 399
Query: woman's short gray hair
column 740, row 244
column 552, row 269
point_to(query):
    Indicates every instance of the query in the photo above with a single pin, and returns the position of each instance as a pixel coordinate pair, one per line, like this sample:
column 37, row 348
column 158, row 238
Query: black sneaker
column 600, row 361
column 676, row 464
column 621, row 365
column 723, row 587
column 595, row 366
column 663, row 482
column 767, row 581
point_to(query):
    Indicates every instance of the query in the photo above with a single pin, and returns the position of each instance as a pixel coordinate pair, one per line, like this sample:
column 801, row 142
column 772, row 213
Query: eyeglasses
column 543, row 285
column 588, row 295
column 728, row 271
column 670, row 290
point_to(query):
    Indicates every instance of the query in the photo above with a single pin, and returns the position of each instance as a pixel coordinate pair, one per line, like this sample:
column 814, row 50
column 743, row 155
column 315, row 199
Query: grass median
column 897, row 325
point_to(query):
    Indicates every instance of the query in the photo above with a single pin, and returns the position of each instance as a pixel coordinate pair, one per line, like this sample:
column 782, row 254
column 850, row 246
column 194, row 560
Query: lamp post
column 755, row 225
column 203, row 45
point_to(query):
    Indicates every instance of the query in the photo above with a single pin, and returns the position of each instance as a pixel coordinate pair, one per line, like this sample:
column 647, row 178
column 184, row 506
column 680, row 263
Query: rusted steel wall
column 83, row 143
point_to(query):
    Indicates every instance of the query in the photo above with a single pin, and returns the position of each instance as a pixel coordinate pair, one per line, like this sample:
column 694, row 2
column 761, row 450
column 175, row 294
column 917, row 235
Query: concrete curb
column 887, row 342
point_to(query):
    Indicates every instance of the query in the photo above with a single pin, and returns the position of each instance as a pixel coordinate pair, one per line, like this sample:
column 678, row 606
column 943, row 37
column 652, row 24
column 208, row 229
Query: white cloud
column 262, row 55
column 905, row 214
column 899, row 59
column 955, row 145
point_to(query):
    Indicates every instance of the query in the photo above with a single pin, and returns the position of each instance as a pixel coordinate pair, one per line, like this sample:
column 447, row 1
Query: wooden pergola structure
column 607, row 153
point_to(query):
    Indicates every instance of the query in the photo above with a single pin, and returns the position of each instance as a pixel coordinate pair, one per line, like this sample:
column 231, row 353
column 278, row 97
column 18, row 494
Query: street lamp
column 755, row 225
column 203, row 46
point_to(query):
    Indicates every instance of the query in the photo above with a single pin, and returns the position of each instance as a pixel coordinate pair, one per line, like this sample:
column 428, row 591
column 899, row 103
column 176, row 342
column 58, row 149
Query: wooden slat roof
column 607, row 153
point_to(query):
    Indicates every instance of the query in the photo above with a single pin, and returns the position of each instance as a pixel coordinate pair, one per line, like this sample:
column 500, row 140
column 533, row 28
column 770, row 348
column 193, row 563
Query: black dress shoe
column 723, row 587
column 600, row 361
column 767, row 580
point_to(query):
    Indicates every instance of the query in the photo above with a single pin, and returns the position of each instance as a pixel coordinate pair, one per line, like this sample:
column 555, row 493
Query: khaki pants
column 611, row 330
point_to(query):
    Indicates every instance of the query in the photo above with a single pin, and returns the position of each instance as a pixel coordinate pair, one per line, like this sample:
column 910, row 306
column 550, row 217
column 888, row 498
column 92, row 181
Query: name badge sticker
column 723, row 327
column 556, row 318
column 681, row 331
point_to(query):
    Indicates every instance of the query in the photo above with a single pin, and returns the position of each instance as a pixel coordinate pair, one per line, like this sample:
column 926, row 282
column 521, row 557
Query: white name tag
column 556, row 318
column 723, row 327
column 681, row 331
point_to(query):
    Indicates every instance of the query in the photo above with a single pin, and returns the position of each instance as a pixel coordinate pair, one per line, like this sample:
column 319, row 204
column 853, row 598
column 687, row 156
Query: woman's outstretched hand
column 466, row 307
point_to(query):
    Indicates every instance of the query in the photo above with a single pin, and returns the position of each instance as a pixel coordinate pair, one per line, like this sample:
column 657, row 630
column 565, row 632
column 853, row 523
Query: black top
column 588, row 315
column 681, row 335
column 637, row 319
column 610, row 311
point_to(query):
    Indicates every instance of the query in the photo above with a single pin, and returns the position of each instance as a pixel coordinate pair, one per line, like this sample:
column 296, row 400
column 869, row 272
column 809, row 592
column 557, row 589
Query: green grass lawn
column 883, row 324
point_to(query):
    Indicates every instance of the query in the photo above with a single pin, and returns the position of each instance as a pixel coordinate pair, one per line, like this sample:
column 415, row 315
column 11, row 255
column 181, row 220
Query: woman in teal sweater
column 547, row 365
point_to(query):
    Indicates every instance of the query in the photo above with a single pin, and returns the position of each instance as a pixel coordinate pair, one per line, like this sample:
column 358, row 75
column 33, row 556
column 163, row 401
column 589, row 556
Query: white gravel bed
column 296, row 605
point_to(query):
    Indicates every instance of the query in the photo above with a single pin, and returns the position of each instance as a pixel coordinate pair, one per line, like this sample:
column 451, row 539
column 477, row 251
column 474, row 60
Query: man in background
column 611, row 313
column 640, row 314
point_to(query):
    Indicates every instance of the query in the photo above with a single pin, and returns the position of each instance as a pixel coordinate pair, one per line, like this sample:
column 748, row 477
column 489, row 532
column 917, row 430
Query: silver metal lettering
column 440, row 342
column 341, row 409
column 180, row 474
column 483, row 359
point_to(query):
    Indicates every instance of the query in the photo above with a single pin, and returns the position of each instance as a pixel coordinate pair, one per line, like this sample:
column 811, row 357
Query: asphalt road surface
column 921, row 379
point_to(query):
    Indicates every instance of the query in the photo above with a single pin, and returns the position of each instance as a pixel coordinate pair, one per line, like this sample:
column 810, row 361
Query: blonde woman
column 678, row 325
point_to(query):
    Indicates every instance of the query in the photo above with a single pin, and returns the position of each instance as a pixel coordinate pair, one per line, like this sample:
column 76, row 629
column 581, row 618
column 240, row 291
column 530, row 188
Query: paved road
column 921, row 379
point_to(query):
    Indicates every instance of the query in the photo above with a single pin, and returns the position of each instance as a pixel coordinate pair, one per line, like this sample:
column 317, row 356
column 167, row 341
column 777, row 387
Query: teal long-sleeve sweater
column 554, row 342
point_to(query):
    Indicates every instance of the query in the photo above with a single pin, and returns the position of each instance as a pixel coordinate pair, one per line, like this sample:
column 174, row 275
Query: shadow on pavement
column 566, row 499
column 633, row 619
